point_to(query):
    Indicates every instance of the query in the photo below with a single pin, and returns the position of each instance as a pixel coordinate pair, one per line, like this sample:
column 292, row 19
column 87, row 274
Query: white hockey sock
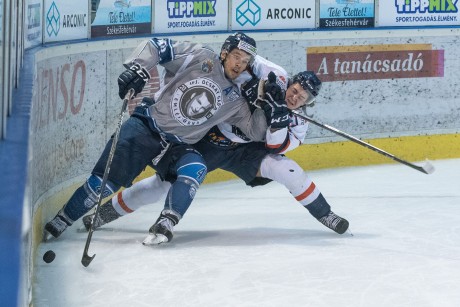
column 287, row 172
column 144, row 192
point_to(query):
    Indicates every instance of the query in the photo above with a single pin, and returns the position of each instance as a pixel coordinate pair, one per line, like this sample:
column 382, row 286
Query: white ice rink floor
column 242, row 246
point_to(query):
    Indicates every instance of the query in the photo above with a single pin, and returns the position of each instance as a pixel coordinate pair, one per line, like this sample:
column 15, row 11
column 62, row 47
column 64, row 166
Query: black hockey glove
column 272, row 88
column 276, row 110
column 277, row 114
column 133, row 78
column 250, row 90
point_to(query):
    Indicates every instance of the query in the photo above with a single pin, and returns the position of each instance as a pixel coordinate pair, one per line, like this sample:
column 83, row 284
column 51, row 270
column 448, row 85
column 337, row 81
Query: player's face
column 296, row 96
column 235, row 63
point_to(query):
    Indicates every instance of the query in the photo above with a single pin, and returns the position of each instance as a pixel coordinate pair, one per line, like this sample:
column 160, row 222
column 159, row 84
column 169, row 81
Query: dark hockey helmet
column 241, row 41
column 310, row 83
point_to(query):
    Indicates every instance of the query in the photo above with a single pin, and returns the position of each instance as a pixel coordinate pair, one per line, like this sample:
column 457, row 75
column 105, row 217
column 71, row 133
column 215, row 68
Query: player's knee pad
column 285, row 171
column 191, row 167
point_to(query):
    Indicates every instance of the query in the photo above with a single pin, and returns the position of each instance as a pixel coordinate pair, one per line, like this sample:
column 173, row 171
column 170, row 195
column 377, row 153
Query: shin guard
column 85, row 197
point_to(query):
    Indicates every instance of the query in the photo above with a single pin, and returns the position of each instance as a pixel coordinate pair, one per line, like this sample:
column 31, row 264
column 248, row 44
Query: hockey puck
column 49, row 256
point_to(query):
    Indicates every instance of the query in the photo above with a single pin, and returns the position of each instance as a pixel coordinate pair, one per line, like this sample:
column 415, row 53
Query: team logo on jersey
column 231, row 93
column 207, row 66
column 196, row 101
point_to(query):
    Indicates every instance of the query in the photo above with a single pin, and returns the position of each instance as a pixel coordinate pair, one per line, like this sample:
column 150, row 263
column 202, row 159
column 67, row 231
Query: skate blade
column 155, row 239
column 47, row 236
column 349, row 232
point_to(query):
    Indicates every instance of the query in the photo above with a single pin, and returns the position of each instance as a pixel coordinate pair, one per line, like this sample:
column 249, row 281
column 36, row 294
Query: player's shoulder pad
column 165, row 49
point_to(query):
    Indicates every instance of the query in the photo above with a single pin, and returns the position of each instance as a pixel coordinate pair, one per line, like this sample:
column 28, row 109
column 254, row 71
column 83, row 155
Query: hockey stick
column 86, row 259
column 428, row 168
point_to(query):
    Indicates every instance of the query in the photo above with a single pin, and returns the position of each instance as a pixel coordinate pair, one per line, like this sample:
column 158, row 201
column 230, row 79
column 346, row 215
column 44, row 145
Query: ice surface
column 242, row 246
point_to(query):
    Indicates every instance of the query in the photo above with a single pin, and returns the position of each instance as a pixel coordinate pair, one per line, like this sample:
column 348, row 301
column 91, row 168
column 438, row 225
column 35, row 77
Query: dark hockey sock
column 181, row 195
column 80, row 203
column 85, row 198
column 319, row 207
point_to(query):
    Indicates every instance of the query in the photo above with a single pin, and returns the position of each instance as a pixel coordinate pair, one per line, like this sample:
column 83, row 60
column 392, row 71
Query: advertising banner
column 340, row 63
column 190, row 16
column 65, row 20
column 69, row 98
column 273, row 14
column 32, row 23
column 120, row 17
column 346, row 14
column 419, row 13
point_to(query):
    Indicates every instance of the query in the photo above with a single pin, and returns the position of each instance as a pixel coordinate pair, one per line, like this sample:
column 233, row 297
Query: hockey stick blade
column 428, row 168
column 87, row 260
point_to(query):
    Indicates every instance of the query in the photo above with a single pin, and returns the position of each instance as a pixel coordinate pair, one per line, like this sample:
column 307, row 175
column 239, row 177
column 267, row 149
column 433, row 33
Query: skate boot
column 334, row 222
column 162, row 230
column 57, row 225
column 106, row 214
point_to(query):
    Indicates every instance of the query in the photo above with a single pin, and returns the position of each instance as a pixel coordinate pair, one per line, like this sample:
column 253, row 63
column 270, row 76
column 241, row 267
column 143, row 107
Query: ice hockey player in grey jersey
column 198, row 93
column 255, row 162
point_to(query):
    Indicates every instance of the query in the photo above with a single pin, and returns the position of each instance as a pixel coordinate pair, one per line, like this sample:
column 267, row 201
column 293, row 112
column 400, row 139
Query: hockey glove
column 276, row 110
column 133, row 78
column 272, row 88
column 277, row 114
column 250, row 89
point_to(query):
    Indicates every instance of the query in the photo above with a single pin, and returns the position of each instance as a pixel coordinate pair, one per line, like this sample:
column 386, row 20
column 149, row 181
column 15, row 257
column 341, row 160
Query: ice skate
column 155, row 239
column 334, row 222
column 56, row 226
column 163, row 229
column 106, row 214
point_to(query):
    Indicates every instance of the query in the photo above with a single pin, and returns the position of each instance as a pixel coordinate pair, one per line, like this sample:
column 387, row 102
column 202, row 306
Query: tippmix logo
column 248, row 12
column 53, row 20
column 426, row 6
column 191, row 8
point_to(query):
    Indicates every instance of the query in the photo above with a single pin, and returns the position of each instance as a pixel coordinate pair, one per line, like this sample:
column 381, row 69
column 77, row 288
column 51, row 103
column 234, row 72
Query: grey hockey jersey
column 196, row 94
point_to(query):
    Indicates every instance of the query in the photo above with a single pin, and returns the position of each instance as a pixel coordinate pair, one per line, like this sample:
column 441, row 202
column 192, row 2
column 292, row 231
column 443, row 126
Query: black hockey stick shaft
column 427, row 168
column 86, row 259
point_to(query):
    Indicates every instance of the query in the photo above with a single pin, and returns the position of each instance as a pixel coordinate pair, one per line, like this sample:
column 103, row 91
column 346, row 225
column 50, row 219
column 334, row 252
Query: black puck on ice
column 49, row 256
